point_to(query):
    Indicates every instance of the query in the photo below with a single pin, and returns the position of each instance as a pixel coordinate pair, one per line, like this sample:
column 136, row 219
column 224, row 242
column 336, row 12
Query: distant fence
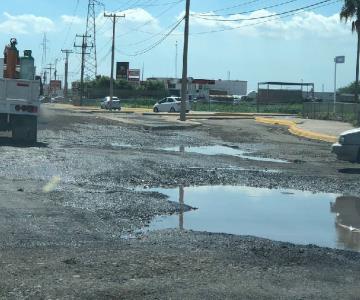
column 98, row 93
column 346, row 112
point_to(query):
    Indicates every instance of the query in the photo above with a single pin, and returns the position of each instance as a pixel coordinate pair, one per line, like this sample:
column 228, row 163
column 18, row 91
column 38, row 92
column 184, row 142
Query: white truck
column 19, row 108
column 19, row 95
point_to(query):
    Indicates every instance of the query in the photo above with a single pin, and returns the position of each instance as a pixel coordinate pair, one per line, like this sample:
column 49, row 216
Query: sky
column 235, row 38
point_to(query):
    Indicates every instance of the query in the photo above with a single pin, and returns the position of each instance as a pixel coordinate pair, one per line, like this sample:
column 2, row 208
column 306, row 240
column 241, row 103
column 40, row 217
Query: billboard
column 122, row 69
column 134, row 75
column 55, row 85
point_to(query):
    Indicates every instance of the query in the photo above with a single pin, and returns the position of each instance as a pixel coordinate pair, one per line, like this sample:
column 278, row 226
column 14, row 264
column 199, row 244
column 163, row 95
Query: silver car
column 348, row 147
column 107, row 104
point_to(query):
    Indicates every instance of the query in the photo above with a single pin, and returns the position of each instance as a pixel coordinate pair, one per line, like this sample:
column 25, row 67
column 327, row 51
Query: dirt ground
column 70, row 204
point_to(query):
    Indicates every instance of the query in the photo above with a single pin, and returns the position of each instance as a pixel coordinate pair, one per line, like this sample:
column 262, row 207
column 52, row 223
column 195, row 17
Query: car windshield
column 112, row 188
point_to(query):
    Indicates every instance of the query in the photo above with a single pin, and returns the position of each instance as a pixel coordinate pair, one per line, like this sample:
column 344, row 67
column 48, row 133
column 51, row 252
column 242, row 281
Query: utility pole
column 184, row 83
column 50, row 68
column 176, row 59
column 67, row 53
column 114, row 17
column 84, row 46
column 55, row 72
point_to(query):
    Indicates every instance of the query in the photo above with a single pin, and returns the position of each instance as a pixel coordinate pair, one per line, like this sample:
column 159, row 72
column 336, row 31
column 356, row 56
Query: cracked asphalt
column 79, row 239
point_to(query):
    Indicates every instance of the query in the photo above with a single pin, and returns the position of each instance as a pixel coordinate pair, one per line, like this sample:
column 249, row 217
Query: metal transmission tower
column 91, row 59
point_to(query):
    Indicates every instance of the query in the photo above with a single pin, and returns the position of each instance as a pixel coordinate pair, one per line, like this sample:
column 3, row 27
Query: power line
column 234, row 6
column 246, row 12
column 156, row 17
column 151, row 47
column 71, row 23
column 264, row 17
column 262, row 22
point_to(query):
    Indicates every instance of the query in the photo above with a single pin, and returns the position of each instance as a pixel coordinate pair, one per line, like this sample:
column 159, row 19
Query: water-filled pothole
column 223, row 150
column 299, row 217
column 210, row 150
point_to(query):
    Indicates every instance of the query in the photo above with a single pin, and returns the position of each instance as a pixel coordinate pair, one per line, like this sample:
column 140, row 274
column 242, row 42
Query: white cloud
column 26, row 24
column 302, row 25
column 136, row 19
column 72, row 19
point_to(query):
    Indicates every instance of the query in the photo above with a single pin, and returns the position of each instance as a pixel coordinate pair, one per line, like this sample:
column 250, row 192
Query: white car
column 348, row 147
column 107, row 104
column 170, row 104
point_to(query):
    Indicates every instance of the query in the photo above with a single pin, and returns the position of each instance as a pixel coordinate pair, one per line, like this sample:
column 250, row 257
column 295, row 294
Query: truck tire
column 24, row 129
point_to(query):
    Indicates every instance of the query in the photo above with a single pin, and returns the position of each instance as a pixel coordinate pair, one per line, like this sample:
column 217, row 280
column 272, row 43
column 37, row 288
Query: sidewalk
column 322, row 130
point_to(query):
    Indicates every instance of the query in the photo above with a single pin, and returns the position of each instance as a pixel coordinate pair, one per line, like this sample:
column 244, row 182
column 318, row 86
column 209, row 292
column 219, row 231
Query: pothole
column 299, row 217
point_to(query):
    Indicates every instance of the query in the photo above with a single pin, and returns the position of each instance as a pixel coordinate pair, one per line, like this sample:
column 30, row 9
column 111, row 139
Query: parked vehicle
column 348, row 147
column 108, row 104
column 170, row 104
column 19, row 95
column 57, row 99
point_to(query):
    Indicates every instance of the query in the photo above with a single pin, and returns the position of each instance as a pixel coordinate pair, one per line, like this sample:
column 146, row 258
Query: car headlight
column 342, row 140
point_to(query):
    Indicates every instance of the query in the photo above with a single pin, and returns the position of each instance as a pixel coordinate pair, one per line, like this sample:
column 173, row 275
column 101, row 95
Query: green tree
column 351, row 12
column 349, row 89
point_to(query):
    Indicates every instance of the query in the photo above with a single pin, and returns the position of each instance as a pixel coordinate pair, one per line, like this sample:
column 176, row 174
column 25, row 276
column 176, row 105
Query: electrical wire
column 248, row 11
column 262, row 22
column 154, row 45
column 268, row 16
column 71, row 23
column 156, row 17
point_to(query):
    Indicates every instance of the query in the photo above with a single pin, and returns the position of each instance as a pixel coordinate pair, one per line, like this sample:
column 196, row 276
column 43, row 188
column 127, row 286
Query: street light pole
column 335, row 86
column 337, row 60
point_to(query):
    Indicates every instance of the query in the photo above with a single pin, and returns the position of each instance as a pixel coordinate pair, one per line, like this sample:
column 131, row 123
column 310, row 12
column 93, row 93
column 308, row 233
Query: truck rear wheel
column 24, row 129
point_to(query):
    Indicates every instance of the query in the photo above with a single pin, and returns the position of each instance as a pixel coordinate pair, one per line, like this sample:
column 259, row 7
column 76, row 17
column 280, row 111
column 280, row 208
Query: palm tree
column 351, row 12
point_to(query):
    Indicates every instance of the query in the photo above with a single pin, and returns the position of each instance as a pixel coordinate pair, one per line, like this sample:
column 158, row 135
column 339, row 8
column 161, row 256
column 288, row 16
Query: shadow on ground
column 350, row 171
column 7, row 141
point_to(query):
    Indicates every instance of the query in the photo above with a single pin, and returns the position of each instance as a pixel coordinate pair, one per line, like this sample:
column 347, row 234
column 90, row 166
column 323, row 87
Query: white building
column 204, row 88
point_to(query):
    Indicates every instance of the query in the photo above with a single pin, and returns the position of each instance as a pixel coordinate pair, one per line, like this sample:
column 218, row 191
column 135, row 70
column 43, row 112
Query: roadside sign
column 339, row 59
column 134, row 75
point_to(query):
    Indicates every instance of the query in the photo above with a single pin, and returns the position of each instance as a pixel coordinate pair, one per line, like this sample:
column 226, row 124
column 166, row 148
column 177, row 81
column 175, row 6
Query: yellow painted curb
column 294, row 129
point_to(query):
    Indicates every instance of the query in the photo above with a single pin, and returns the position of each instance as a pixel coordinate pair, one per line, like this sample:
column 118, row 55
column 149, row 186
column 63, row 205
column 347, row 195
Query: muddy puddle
column 212, row 150
column 223, row 150
column 327, row 220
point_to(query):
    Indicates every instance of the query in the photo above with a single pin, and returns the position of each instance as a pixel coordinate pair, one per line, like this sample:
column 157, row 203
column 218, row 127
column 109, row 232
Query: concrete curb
column 294, row 129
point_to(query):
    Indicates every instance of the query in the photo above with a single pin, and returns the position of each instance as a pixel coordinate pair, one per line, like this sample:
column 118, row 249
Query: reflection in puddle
column 209, row 150
column 283, row 215
column 223, row 150
column 347, row 210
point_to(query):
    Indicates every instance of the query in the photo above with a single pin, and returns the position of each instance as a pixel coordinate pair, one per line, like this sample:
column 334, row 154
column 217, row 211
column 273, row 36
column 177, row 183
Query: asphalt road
column 70, row 205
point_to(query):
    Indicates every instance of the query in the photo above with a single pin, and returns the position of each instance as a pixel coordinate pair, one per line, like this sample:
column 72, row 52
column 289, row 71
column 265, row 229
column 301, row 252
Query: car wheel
column 156, row 110
column 172, row 110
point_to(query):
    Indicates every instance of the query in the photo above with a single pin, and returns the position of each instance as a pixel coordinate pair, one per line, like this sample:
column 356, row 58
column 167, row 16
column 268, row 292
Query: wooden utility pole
column 184, row 83
column 66, row 88
column 113, row 16
column 84, row 46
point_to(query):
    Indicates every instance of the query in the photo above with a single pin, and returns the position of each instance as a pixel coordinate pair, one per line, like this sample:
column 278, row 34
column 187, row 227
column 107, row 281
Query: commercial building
column 204, row 88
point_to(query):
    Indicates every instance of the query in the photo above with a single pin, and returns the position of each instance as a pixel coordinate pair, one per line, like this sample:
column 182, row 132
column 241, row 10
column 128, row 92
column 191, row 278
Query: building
column 204, row 88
